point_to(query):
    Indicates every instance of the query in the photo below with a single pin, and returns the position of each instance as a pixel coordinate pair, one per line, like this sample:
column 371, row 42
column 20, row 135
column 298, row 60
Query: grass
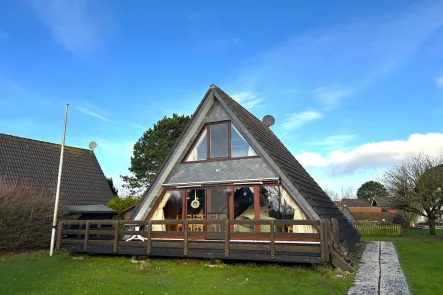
column 37, row 273
column 421, row 256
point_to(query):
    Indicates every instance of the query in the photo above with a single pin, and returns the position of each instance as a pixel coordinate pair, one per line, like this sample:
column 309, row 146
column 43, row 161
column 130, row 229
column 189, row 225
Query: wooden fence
column 375, row 229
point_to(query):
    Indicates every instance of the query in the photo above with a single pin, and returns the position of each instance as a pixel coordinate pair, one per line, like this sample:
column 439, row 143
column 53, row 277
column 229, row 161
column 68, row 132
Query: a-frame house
column 228, row 165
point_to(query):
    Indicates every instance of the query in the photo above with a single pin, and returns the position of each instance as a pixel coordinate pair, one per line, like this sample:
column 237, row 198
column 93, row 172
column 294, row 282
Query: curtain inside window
column 193, row 155
column 298, row 215
column 251, row 151
column 159, row 214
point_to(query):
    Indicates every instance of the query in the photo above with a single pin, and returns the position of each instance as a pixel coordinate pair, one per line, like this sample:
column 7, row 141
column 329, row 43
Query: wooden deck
column 109, row 237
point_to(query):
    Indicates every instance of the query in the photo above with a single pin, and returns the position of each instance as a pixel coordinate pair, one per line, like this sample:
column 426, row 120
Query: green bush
column 120, row 204
column 373, row 216
column 26, row 218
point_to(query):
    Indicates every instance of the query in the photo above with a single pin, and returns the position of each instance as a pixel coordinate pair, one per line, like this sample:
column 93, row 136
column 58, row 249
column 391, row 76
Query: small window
column 239, row 146
column 200, row 150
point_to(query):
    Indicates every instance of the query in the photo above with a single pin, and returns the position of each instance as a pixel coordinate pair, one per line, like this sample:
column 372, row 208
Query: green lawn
column 37, row 273
column 421, row 256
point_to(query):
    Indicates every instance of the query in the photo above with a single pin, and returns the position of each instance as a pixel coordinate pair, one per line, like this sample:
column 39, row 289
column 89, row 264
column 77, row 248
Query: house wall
column 210, row 111
column 253, row 168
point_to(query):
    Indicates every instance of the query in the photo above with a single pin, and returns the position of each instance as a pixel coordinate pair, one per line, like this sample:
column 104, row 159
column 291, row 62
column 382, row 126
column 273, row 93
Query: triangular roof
column 308, row 194
column 381, row 202
column 34, row 164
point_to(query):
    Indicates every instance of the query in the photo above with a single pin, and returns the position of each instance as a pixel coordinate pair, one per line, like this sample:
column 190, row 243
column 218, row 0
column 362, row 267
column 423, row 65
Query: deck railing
column 110, row 232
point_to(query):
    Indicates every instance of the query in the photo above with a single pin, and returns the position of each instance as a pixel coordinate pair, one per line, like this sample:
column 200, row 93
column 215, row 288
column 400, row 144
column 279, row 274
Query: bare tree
column 416, row 186
column 347, row 193
column 333, row 195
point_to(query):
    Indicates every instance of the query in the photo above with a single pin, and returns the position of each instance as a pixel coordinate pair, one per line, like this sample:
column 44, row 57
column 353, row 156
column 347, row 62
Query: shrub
column 26, row 218
column 401, row 220
column 119, row 204
column 373, row 216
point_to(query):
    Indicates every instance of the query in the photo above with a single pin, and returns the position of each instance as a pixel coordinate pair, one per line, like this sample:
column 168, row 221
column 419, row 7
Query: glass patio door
column 217, row 208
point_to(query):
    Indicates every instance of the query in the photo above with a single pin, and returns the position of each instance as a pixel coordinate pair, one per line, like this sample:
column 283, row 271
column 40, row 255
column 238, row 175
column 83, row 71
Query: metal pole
column 59, row 180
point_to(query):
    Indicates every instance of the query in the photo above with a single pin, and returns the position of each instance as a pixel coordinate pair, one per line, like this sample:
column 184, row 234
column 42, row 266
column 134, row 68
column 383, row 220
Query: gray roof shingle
column 299, row 177
column 34, row 164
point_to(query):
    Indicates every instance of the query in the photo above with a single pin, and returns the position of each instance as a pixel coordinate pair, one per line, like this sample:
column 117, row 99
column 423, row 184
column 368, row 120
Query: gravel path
column 380, row 272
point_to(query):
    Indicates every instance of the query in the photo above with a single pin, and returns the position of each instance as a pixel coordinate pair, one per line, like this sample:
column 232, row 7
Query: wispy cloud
column 335, row 141
column 247, row 99
column 374, row 155
column 30, row 95
column 439, row 81
column 345, row 60
column 79, row 26
column 296, row 120
column 92, row 114
column 331, row 96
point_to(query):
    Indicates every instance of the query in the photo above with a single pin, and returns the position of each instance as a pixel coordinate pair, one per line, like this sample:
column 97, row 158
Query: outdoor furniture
column 136, row 237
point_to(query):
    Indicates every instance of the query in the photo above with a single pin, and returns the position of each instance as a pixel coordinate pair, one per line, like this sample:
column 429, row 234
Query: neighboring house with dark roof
column 354, row 203
column 34, row 164
column 227, row 164
column 383, row 202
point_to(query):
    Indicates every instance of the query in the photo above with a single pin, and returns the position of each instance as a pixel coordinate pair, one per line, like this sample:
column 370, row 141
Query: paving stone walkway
column 380, row 272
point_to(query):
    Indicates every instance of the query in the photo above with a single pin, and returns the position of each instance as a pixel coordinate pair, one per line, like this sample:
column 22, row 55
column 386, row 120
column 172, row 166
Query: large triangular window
column 221, row 140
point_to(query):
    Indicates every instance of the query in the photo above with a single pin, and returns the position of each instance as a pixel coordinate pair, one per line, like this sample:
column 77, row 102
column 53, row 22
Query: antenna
column 92, row 145
column 268, row 120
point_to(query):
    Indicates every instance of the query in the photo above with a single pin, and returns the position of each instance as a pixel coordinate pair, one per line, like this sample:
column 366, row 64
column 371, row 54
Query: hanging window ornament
column 195, row 203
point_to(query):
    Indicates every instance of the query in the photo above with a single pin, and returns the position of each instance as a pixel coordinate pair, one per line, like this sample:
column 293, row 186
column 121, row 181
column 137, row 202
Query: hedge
column 26, row 218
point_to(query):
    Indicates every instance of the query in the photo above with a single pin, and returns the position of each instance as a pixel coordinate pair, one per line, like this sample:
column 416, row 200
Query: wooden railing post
column 227, row 229
column 85, row 245
column 116, row 235
column 59, row 235
column 185, row 241
column 149, row 245
column 322, row 241
column 272, row 238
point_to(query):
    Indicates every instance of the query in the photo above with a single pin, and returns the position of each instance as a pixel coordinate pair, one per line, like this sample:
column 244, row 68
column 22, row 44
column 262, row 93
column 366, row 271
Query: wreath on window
column 195, row 203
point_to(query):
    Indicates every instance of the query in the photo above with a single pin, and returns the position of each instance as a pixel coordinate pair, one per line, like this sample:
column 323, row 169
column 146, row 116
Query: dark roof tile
column 34, row 164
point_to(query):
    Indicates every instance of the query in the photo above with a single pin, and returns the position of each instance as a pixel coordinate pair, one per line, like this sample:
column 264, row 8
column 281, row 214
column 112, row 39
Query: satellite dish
column 268, row 120
column 92, row 145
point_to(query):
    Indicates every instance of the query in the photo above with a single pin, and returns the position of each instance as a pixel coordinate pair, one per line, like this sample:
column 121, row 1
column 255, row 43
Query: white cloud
column 375, row 155
column 331, row 96
column 92, row 114
column 296, row 120
column 79, row 25
column 247, row 99
column 439, row 81
column 334, row 141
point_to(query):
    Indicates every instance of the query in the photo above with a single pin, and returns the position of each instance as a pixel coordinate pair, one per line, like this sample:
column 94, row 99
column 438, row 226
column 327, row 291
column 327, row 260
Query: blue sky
column 355, row 87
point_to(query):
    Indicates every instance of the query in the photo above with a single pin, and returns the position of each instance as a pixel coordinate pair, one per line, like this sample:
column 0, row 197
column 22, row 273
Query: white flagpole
column 57, row 195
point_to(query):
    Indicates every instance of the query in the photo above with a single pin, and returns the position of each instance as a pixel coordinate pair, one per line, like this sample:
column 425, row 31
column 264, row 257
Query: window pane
column 219, row 140
column 195, row 203
column 239, row 146
column 199, row 151
column 281, row 205
column 244, row 208
column 170, row 207
column 217, row 204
